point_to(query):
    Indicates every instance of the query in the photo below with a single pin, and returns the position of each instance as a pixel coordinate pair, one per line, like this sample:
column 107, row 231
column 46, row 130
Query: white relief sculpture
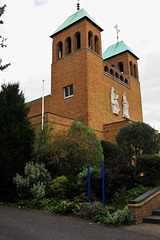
column 114, row 102
column 125, row 106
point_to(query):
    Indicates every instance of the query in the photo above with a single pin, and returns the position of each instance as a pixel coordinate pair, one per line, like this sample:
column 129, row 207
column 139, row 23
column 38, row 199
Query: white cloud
column 40, row 2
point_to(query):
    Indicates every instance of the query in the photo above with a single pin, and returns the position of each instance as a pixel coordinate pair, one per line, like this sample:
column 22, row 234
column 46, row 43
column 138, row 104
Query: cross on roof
column 117, row 31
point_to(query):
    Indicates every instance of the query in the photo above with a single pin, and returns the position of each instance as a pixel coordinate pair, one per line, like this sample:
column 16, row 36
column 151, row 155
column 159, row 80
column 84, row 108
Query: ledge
column 145, row 197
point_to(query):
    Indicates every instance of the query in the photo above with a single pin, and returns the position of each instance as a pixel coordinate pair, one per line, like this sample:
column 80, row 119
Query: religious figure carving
column 125, row 106
column 114, row 102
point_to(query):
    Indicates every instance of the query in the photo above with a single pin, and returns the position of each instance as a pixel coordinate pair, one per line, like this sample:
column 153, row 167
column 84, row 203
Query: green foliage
column 42, row 145
column 138, row 138
column 35, row 181
column 16, row 136
column 89, row 210
column 95, row 181
column 74, row 149
column 118, row 172
column 148, row 170
column 3, row 41
column 137, row 191
column 59, row 187
column 67, row 207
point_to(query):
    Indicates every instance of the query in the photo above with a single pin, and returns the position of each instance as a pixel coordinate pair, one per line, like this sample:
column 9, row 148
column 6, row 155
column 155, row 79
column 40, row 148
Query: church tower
column 102, row 91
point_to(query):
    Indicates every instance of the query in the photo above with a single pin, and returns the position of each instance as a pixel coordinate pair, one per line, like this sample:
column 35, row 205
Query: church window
column 60, row 49
column 106, row 69
column 68, row 91
column 135, row 71
column 121, row 78
column 111, row 72
column 131, row 70
column 117, row 75
column 126, row 80
column 96, row 43
column 78, row 40
column 68, row 41
column 120, row 65
column 90, row 39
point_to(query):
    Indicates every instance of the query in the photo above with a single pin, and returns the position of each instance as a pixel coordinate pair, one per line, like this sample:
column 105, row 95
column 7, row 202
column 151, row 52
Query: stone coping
column 146, row 196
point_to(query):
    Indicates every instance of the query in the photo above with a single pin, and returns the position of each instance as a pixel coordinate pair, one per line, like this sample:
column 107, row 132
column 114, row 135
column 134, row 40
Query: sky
column 29, row 23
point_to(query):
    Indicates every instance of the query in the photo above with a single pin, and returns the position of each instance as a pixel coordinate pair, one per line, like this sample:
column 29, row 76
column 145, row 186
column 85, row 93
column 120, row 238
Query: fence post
column 103, row 193
column 88, row 183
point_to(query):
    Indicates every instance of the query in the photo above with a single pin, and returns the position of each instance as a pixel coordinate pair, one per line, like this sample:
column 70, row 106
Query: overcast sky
column 29, row 23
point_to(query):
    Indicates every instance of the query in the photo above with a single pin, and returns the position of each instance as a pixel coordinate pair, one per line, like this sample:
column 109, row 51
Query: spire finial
column 78, row 5
column 117, row 30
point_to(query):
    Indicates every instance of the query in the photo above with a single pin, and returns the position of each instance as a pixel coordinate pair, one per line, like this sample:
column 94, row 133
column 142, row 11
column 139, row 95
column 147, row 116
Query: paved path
column 24, row 224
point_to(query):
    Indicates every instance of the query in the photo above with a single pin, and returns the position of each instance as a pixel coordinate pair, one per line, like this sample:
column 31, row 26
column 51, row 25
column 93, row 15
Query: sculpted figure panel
column 114, row 102
column 125, row 106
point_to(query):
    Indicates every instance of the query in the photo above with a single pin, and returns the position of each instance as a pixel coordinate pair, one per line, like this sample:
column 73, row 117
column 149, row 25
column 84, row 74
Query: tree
column 3, row 41
column 74, row 149
column 118, row 172
column 16, row 136
column 138, row 138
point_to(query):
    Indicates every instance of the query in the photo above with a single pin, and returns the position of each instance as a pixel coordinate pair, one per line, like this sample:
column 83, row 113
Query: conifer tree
column 16, row 136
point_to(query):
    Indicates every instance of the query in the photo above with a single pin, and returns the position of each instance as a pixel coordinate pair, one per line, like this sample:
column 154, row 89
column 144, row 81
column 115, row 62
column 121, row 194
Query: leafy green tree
column 3, row 40
column 16, row 136
column 138, row 138
column 74, row 149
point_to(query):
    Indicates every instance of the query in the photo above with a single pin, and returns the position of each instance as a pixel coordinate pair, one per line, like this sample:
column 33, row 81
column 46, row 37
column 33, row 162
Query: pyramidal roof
column 79, row 15
column 116, row 49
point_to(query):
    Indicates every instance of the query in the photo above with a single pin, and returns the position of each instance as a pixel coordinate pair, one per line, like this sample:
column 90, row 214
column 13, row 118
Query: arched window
column 68, row 45
column 60, row 50
column 131, row 70
column 121, row 78
column 78, row 40
column 126, row 80
column 120, row 65
column 96, row 43
column 106, row 69
column 117, row 75
column 111, row 72
column 90, row 35
column 135, row 71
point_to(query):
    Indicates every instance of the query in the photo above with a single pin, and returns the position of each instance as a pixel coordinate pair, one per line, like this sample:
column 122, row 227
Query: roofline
column 121, row 53
column 85, row 17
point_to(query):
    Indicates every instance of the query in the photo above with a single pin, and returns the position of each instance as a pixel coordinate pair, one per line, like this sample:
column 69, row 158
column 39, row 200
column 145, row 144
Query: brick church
column 101, row 90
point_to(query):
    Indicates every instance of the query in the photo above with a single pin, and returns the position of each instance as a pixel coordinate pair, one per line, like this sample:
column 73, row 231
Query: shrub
column 137, row 191
column 59, row 187
column 95, row 181
column 35, row 181
column 138, row 138
column 118, row 173
column 147, row 167
column 74, row 149
column 90, row 210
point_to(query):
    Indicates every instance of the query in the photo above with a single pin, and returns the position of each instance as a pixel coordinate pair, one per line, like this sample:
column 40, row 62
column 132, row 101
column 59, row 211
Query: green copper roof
column 116, row 49
column 75, row 18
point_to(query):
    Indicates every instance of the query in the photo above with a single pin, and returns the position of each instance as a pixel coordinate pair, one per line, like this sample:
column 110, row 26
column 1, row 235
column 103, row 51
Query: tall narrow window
column 78, row 40
column 90, row 39
column 120, row 65
column 131, row 70
column 96, row 44
column 60, row 49
column 135, row 71
column 68, row 41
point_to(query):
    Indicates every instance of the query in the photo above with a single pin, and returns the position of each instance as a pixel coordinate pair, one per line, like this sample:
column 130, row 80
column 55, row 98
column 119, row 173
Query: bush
column 137, row 191
column 74, row 149
column 138, row 138
column 95, row 181
column 90, row 210
column 35, row 181
column 147, row 167
column 118, row 172
column 59, row 187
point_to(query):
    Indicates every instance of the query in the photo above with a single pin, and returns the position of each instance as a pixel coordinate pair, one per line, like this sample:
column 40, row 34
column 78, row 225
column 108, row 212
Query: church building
column 101, row 90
